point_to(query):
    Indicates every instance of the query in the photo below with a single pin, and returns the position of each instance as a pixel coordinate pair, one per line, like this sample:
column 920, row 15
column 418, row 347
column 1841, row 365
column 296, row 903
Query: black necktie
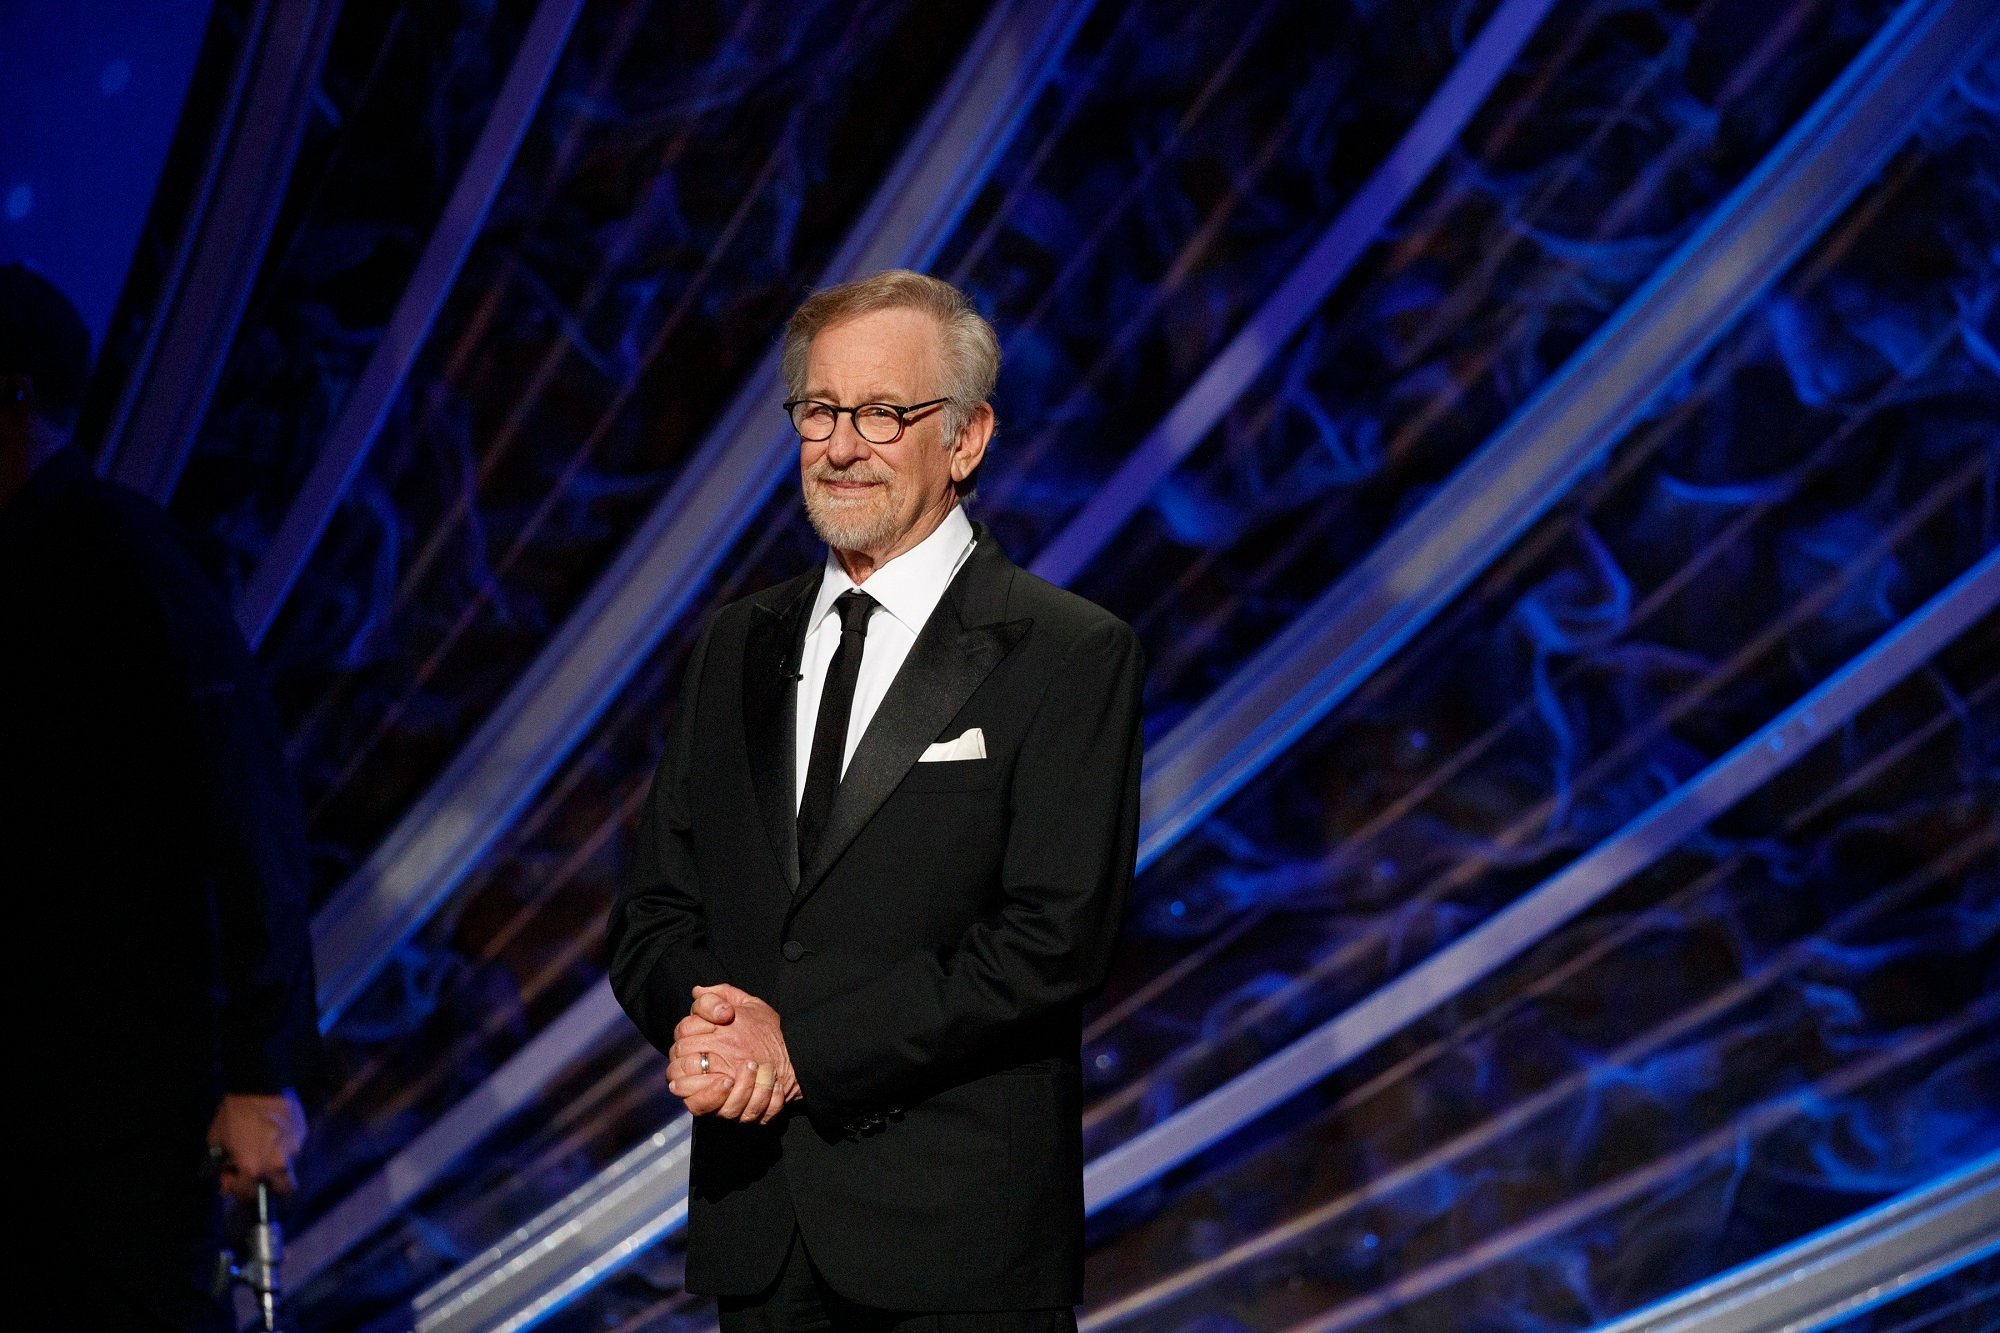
column 836, row 701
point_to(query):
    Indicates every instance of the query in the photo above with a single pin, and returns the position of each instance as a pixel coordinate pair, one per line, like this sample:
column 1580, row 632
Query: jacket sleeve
column 253, row 832
column 658, row 935
column 1071, row 841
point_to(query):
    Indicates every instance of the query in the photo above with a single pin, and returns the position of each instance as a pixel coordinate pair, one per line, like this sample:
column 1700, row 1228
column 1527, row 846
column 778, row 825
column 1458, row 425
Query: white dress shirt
column 909, row 588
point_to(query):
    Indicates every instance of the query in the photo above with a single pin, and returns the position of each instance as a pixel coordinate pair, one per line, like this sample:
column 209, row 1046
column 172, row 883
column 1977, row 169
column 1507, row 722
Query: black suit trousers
column 800, row 1301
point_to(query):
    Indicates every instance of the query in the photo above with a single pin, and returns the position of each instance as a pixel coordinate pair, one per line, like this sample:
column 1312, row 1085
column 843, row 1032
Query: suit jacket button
column 794, row 951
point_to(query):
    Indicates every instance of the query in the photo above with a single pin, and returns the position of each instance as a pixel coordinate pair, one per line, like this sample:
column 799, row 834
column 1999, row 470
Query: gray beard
column 848, row 530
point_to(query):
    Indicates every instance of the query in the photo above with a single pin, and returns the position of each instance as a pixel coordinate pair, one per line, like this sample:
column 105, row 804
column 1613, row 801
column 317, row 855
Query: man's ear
column 969, row 449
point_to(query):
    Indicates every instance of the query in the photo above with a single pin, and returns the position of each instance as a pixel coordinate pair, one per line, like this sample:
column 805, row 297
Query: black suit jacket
column 928, row 968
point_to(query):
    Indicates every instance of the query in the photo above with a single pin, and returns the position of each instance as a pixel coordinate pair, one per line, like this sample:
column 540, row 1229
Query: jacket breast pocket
column 949, row 775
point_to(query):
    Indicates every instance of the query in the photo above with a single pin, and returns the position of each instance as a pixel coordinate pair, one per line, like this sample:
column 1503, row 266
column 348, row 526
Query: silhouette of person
column 154, row 843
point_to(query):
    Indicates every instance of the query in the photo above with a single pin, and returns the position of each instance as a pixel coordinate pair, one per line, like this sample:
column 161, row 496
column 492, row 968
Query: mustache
column 853, row 472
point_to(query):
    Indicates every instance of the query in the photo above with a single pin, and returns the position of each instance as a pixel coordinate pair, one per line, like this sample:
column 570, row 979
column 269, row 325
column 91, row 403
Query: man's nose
column 846, row 446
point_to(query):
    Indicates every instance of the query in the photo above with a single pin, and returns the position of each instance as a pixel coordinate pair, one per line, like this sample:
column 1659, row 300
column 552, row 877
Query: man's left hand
column 259, row 1135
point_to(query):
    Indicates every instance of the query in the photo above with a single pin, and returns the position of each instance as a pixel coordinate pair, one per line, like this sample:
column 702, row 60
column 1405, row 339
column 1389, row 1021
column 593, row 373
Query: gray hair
column 971, row 350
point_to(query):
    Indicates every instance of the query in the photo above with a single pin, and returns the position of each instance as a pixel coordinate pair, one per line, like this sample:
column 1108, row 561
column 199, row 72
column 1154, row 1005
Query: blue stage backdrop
column 90, row 95
column 1494, row 417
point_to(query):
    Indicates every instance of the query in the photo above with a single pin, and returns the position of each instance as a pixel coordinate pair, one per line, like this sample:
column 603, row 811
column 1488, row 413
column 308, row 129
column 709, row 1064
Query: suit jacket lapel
column 958, row 648
column 770, row 708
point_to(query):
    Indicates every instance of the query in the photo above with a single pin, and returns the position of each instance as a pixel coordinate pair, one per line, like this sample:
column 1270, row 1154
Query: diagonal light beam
column 222, row 246
column 1847, row 1269
column 507, row 1090
column 367, row 406
column 668, row 560
column 1766, row 1117
column 568, row 1247
column 1229, row 376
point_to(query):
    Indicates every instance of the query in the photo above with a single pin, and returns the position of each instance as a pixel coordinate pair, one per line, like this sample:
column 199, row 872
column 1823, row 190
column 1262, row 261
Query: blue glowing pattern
column 1789, row 1018
column 1792, row 1017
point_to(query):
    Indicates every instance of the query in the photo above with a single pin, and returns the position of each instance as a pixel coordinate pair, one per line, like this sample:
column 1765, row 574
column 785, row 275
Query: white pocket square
column 971, row 744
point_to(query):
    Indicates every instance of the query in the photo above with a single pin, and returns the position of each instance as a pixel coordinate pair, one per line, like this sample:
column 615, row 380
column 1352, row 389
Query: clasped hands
column 749, row 1077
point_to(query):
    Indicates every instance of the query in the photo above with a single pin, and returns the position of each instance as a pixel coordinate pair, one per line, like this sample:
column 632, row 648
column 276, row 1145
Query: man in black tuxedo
column 153, row 841
column 882, row 867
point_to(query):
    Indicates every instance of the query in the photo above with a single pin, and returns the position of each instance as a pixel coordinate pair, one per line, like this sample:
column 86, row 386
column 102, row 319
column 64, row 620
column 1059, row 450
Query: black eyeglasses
column 877, row 423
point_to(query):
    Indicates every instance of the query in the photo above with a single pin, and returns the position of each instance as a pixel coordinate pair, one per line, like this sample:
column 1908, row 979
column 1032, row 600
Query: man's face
column 880, row 499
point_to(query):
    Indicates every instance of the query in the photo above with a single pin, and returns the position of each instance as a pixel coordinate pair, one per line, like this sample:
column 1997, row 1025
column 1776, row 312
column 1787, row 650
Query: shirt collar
column 910, row 586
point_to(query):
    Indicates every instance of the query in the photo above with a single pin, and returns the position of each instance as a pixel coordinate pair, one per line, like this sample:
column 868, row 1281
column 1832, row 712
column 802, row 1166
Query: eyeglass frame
column 902, row 417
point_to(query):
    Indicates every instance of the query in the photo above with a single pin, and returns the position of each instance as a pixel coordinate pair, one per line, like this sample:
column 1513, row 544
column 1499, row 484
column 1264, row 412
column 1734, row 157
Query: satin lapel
column 770, row 681
column 946, row 664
